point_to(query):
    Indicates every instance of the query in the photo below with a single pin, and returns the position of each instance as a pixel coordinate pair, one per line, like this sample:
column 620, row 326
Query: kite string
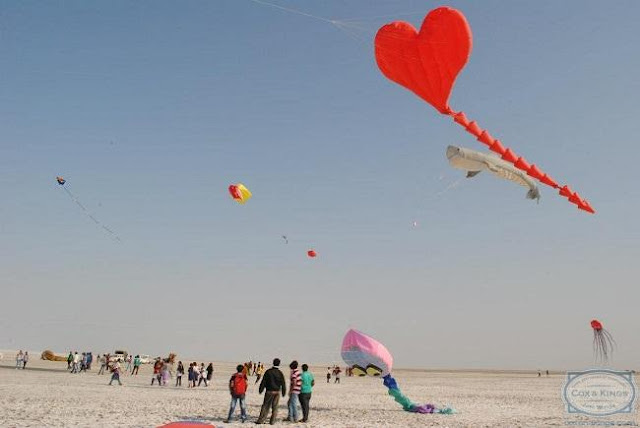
column 90, row 215
column 299, row 12
column 340, row 24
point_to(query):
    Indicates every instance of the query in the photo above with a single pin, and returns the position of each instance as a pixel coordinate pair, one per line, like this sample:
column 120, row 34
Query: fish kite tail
column 519, row 162
column 534, row 194
column 407, row 404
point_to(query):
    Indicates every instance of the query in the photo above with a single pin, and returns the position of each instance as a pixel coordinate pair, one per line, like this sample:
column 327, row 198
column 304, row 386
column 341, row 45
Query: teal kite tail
column 407, row 404
column 401, row 399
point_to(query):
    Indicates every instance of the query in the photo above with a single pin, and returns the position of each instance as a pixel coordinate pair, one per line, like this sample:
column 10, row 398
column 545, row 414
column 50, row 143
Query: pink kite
column 367, row 356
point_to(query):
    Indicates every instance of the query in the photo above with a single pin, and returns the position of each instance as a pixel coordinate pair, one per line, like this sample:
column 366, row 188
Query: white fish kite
column 474, row 162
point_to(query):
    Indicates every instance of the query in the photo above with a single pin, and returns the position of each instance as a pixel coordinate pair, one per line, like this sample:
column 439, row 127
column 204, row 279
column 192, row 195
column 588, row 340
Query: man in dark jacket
column 274, row 384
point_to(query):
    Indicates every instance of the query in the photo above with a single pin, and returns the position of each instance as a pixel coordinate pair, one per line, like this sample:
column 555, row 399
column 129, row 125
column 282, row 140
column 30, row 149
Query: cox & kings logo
column 599, row 392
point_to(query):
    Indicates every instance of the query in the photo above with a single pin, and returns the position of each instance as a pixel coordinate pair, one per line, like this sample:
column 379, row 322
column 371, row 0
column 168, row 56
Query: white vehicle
column 146, row 359
column 119, row 356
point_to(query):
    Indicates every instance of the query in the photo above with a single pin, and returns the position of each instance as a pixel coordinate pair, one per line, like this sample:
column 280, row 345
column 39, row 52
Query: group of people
column 22, row 359
column 273, row 385
column 195, row 373
column 77, row 363
column 253, row 369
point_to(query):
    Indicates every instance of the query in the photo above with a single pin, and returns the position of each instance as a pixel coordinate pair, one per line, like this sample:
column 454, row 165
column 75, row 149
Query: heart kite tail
column 519, row 162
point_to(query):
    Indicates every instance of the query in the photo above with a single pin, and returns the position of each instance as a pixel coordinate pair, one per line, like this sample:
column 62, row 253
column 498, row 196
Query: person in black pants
column 305, row 391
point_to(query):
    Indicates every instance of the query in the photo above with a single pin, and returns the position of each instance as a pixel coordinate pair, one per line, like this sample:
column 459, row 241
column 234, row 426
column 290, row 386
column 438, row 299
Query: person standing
column 202, row 375
column 19, row 359
column 238, row 389
column 25, row 360
column 179, row 373
column 166, row 374
column 103, row 363
column 259, row 372
column 209, row 371
column 136, row 365
column 129, row 361
column 192, row 383
column 83, row 363
column 305, row 391
column 115, row 373
column 336, row 374
column 274, row 384
column 157, row 367
column 294, row 391
column 76, row 362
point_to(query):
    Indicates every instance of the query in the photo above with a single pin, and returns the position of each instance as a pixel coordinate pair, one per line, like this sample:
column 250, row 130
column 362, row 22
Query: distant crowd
column 22, row 359
column 272, row 381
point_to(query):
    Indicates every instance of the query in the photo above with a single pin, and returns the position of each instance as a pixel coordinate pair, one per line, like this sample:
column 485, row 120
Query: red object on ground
column 187, row 424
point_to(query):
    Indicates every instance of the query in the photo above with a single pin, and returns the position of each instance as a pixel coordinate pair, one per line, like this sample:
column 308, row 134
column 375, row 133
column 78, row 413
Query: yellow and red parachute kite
column 427, row 63
column 239, row 193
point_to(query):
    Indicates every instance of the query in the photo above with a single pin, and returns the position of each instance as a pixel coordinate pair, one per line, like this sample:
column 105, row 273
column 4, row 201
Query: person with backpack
column 238, row 389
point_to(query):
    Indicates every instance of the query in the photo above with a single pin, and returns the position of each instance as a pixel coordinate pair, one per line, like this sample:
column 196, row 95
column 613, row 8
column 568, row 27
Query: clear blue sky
column 150, row 109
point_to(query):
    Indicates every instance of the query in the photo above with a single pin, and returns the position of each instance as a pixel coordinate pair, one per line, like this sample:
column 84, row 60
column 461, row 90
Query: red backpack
column 239, row 384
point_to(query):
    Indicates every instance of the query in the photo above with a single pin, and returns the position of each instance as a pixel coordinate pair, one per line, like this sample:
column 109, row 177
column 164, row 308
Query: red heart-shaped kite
column 427, row 63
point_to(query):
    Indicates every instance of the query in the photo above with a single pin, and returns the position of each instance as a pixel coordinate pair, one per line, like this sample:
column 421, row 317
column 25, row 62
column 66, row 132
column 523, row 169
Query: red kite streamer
column 427, row 63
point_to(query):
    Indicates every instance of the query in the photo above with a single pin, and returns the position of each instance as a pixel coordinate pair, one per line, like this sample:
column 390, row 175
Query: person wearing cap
column 273, row 384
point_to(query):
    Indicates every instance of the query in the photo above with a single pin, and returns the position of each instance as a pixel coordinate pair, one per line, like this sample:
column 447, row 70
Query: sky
column 150, row 109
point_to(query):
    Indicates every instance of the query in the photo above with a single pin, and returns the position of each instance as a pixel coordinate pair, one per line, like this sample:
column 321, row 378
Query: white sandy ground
column 46, row 395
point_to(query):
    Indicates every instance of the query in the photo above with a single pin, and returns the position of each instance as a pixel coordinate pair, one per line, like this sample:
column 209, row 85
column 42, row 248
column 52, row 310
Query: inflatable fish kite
column 474, row 162
column 367, row 356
